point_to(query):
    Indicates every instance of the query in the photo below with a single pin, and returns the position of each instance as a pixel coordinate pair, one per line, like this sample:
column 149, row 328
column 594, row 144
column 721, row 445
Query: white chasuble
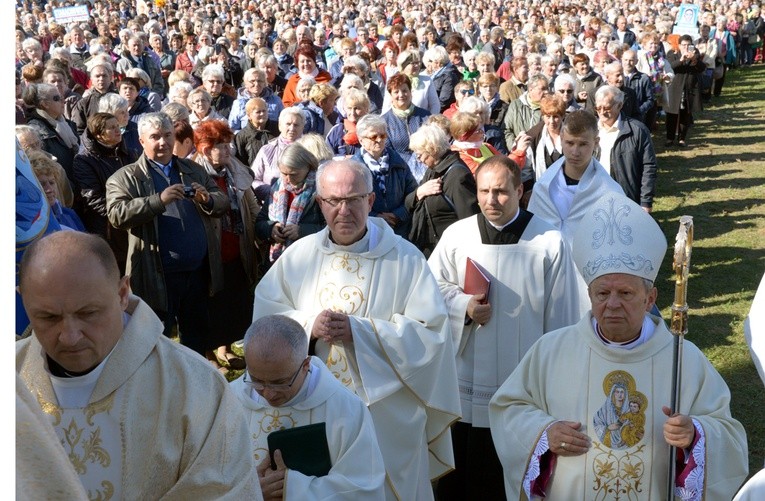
column 159, row 422
column 401, row 361
column 357, row 469
column 617, row 395
column 533, row 291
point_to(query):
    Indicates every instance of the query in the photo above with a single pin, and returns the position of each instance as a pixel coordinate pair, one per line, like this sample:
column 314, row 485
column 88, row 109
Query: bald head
column 63, row 248
column 276, row 338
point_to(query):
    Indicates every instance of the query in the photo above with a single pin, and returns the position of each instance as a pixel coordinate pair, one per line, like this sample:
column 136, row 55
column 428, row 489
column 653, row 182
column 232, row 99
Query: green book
column 304, row 449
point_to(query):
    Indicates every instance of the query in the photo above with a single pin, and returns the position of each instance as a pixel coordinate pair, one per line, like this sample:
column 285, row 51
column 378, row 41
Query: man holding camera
column 167, row 205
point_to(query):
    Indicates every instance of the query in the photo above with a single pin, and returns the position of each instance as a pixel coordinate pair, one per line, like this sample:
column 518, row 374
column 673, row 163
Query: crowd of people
column 404, row 198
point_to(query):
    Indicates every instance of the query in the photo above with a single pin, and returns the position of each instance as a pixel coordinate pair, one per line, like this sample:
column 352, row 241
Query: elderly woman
column 393, row 180
column 49, row 173
column 103, row 153
column 319, row 110
column 403, row 119
column 445, row 76
column 290, row 211
column 565, row 87
column 118, row 106
column 343, row 138
column 470, row 72
column 46, row 114
column 179, row 93
column 423, row 91
column 446, row 193
column 544, row 145
column 463, row 89
column 265, row 167
column 356, row 65
column 467, row 129
column 199, row 103
column 586, row 78
column 305, row 56
column 153, row 98
column 166, row 57
column 652, row 62
column 484, row 63
column 56, row 74
column 230, row 310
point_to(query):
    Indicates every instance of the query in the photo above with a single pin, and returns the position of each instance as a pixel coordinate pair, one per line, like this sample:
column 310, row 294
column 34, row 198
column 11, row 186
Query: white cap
column 618, row 236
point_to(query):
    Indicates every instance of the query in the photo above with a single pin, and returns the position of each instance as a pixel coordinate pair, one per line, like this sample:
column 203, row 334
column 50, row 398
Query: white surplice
column 401, row 361
column 357, row 470
column 570, row 375
column 533, row 291
column 159, row 422
column 595, row 182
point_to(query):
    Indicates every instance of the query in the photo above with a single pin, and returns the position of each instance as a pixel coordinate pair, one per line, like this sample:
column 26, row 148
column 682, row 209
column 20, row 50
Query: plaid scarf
column 379, row 168
column 656, row 64
column 285, row 214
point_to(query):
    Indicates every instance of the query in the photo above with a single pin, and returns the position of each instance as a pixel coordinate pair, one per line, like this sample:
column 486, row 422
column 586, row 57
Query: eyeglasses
column 565, row 91
column 348, row 201
column 467, row 92
column 260, row 386
column 377, row 137
column 56, row 98
column 604, row 108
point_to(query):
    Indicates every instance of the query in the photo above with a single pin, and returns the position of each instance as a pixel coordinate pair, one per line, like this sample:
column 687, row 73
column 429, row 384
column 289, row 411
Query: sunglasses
column 55, row 98
column 467, row 92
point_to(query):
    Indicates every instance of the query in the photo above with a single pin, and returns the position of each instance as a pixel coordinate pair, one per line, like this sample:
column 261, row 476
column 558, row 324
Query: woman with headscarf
column 230, row 310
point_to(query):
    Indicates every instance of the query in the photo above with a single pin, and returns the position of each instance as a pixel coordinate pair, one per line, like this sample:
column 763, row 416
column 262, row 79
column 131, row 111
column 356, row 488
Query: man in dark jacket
column 102, row 78
column 641, row 84
column 167, row 205
column 615, row 77
column 625, row 148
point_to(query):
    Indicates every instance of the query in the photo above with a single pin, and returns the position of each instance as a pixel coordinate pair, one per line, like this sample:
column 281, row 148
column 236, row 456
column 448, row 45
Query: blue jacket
column 237, row 119
column 399, row 182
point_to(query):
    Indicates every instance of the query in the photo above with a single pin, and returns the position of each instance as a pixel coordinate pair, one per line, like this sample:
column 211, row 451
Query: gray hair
column 157, row 120
column 469, row 54
column 563, row 79
column 609, row 90
column 535, row 79
column 350, row 81
column 367, row 123
column 274, row 336
column 360, row 170
column 613, row 67
column 474, row 104
column 108, row 67
column 292, row 111
column 111, row 102
column 176, row 111
column 179, row 87
column 202, row 92
column 297, row 156
column 29, row 132
column 430, row 139
column 355, row 96
column 29, row 43
column 34, row 94
column 140, row 75
column 437, row 54
column 357, row 62
column 254, row 72
column 212, row 70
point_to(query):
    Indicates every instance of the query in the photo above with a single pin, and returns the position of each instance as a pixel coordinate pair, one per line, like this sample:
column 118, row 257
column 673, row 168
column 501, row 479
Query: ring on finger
column 563, row 445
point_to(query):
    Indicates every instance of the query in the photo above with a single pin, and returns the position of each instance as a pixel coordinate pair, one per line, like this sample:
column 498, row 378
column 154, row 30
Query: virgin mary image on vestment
column 620, row 421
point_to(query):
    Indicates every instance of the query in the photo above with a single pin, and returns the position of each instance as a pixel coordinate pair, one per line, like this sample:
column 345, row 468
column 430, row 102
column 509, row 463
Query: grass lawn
column 720, row 181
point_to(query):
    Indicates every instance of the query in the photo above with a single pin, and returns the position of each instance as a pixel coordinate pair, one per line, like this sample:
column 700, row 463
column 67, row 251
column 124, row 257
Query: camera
column 189, row 192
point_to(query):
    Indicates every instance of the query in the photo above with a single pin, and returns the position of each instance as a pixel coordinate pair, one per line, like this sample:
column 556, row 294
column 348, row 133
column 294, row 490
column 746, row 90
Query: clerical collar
column 646, row 333
column 500, row 228
column 366, row 243
column 508, row 234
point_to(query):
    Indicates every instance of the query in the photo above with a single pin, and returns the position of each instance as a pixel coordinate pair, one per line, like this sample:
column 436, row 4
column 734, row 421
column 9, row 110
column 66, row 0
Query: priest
column 572, row 184
column 139, row 415
column 610, row 429
column 533, row 290
column 276, row 396
column 373, row 313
